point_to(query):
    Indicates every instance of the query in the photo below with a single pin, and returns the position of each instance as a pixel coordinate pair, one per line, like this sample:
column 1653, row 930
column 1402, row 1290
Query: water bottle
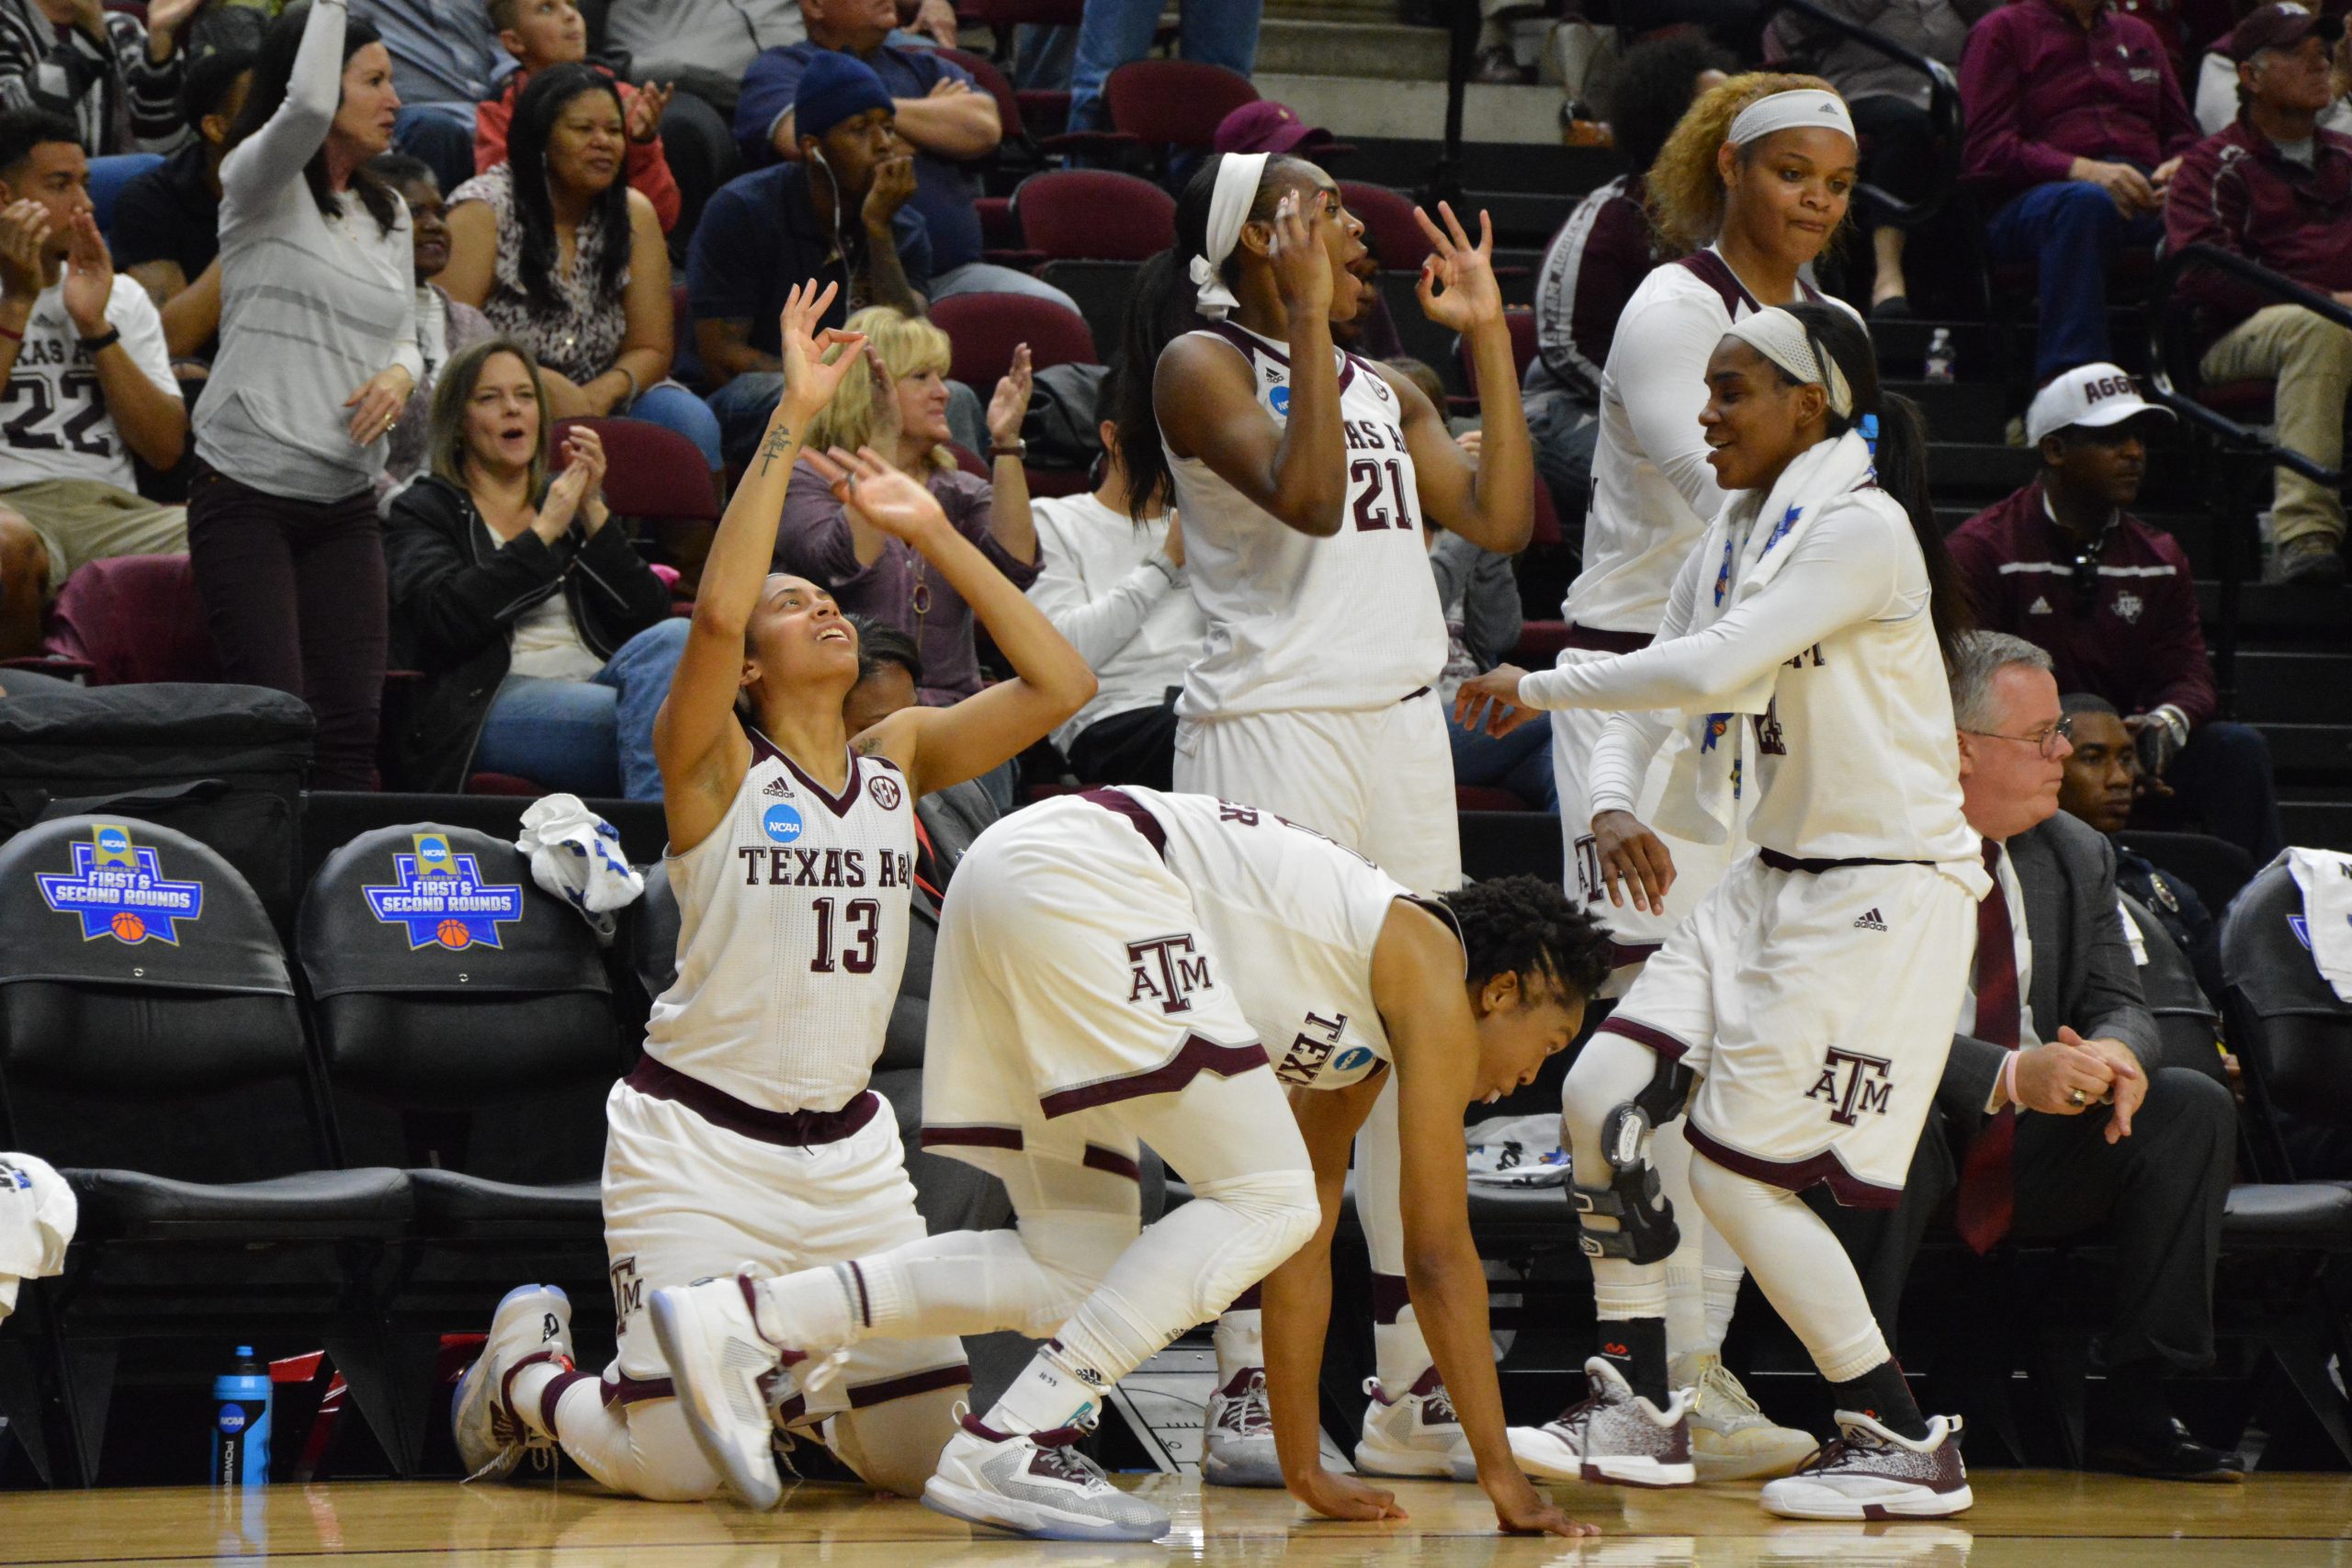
column 1939, row 356
column 241, row 1424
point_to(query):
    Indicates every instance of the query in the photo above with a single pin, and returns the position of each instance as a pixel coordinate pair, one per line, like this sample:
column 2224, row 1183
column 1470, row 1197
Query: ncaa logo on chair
column 119, row 889
column 781, row 823
column 442, row 900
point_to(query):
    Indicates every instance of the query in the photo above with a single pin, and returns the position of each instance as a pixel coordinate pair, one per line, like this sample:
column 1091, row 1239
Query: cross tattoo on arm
column 779, row 438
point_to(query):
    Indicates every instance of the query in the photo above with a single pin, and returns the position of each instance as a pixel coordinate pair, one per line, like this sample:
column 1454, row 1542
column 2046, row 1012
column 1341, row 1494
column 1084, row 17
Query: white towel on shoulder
column 2326, row 879
column 37, row 1214
column 576, row 855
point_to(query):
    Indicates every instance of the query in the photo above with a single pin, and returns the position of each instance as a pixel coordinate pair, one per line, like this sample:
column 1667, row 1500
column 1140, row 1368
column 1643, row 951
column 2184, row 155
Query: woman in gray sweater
column 318, row 355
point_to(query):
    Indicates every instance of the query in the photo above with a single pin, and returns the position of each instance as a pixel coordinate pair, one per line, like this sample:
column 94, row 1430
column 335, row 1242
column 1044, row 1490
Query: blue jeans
column 672, row 407
column 1112, row 32
column 740, row 411
column 2069, row 231
column 443, row 135
column 1520, row 762
column 987, row 277
column 592, row 738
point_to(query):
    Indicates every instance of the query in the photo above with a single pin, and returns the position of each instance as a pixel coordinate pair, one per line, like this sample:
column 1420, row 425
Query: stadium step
column 2310, row 753
column 2294, row 688
column 1975, row 412
column 2319, row 820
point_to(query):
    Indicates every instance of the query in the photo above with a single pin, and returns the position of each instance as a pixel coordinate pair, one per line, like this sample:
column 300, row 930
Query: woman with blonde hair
column 1753, row 182
column 900, row 408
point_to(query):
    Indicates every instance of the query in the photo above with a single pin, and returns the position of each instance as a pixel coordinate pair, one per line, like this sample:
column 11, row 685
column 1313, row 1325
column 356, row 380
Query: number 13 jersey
column 1351, row 621
column 791, row 934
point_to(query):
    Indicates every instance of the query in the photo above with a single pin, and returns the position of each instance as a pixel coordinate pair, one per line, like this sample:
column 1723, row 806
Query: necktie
column 1982, row 1207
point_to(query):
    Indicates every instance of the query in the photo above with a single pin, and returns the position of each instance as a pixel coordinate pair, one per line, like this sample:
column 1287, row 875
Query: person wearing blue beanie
column 832, row 88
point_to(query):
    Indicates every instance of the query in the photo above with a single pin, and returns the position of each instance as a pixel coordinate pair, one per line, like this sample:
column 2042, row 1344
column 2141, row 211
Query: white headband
column 1783, row 339
column 1808, row 109
column 1238, row 175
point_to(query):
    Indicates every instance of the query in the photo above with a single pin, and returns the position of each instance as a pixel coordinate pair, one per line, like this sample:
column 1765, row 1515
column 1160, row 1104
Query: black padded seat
column 327, row 1205
column 2300, row 1217
column 451, row 1203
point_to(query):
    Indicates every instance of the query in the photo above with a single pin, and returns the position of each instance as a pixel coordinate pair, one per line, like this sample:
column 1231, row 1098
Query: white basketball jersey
column 1291, row 918
column 792, row 933
column 1295, row 622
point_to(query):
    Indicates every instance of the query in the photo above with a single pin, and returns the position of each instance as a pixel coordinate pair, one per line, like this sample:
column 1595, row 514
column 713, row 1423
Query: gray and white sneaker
column 1869, row 1473
column 533, row 1323
column 1034, row 1484
column 1611, row 1435
column 1238, row 1429
column 1731, row 1438
column 1414, row 1435
column 720, row 1362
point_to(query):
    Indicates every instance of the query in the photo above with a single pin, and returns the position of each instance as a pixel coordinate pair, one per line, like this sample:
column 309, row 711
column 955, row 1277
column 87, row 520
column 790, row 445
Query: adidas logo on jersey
column 778, row 788
column 1871, row 921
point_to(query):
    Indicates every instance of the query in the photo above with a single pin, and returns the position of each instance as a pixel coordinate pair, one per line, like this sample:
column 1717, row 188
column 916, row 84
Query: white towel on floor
column 576, row 855
column 1518, row 1151
column 2326, row 879
column 36, row 1218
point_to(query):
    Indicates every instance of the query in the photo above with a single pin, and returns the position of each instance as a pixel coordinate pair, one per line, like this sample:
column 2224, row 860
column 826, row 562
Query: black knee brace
column 1645, row 1231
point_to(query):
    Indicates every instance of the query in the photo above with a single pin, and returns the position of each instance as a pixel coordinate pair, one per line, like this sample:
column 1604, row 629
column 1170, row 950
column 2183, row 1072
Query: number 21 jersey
column 1351, row 621
column 792, row 935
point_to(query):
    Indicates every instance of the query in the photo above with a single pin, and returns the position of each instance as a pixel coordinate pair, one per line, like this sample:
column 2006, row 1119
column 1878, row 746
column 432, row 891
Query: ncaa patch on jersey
column 1349, row 1060
column 781, row 823
column 119, row 889
column 1278, row 399
column 441, row 899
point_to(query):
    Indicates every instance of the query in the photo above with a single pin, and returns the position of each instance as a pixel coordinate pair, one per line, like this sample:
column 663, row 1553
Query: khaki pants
column 2311, row 358
column 81, row 521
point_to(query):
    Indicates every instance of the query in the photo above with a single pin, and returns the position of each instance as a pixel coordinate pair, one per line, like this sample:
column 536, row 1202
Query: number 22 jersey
column 792, row 935
column 1351, row 621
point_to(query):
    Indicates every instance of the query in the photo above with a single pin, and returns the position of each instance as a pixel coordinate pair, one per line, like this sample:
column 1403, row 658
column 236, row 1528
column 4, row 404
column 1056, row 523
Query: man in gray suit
column 2052, row 1125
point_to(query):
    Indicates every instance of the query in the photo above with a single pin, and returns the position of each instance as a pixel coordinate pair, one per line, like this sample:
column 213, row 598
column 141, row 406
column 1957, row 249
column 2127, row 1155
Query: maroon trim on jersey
column 1099, row 1159
column 1247, row 342
column 1126, row 806
column 1593, row 640
column 1779, row 861
column 1850, row 1190
column 1389, row 1297
column 865, row 1395
column 1621, row 954
column 1640, row 1034
column 838, row 804
column 1198, row 1055
column 619, row 1389
column 1716, row 274
column 972, row 1135
column 789, row 1129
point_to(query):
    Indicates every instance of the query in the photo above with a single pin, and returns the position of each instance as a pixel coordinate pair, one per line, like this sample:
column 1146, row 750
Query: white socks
column 1053, row 1391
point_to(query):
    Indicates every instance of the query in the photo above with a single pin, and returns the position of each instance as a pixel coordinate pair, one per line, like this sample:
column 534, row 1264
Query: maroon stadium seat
column 1389, row 228
column 134, row 619
column 651, row 472
column 1177, row 103
column 1094, row 215
column 986, row 328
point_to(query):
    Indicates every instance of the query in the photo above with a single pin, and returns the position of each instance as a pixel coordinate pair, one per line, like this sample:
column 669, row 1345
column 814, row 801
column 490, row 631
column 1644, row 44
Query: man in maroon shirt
column 2114, row 602
column 2274, row 188
column 2076, row 124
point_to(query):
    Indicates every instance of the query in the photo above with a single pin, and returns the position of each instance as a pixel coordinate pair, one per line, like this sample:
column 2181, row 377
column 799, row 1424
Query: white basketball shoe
column 533, row 1323
column 1731, row 1438
column 1415, row 1434
column 1239, row 1431
column 1034, row 1484
column 1869, row 1473
column 1611, row 1435
column 720, row 1362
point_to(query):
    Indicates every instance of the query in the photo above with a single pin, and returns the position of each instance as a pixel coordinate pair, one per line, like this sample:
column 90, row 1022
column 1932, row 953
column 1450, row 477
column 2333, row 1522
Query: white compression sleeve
column 1800, row 1265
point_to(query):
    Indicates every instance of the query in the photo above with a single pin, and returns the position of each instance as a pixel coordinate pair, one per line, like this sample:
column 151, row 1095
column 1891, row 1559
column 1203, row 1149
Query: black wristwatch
column 97, row 346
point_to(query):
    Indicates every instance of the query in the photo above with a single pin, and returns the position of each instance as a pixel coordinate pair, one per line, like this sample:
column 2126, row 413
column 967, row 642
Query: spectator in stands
column 541, row 33
column 2075, row 125
column 1889, row 102
column 318, row 355
column 2276, row 190
column 1113, row 582
column 2067, row 1125
column 444, row 61
column 166, row 228
column 937, row 109
column 2102, row 780
column 556, row 250
column 82, row 357
column 2061, row 564
column 702, row 47
column 1112, row 32
column 116, row 79
column 841, row 211
column 889, row 674
column 1596, row 260
column 902, row 410
column 444, row 327
column 546, row 641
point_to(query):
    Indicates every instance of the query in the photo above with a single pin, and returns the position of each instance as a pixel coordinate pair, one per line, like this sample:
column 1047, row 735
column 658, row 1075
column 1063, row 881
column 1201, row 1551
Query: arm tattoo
column 867, row 744
column 774, row 447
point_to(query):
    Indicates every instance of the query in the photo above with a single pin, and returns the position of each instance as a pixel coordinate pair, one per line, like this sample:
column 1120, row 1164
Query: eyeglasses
column 2046, row 741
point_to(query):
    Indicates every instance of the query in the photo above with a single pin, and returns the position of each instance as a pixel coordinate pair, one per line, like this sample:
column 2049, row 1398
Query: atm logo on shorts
column 1852, row 1084
column 1166, row 969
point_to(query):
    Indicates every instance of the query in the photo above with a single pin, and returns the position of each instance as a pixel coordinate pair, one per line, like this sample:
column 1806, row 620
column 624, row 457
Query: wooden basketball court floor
column 2022, row 1519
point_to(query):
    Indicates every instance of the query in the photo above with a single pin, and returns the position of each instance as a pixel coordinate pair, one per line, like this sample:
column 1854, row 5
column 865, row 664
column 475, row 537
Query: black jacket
column 456, row 598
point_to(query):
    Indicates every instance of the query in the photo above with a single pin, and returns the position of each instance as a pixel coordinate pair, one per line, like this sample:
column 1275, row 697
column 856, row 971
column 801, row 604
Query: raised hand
column 89, row 277
column 585, row 452
column 938, row 19
column 814, row 362
column 1294, row 249
column 645, row 110
column 24, row 250
column 1457, row 286
column 1010, row 406
column 880, row 495
column 564, row 496
column 166, row 18
column 894, row 184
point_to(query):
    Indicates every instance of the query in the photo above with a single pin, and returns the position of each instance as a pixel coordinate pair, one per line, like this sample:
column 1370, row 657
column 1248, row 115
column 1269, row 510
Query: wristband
column 2009, row 1079
column 1016, row 448
column 1166, row 567
column 97, row 346
column 11, row 334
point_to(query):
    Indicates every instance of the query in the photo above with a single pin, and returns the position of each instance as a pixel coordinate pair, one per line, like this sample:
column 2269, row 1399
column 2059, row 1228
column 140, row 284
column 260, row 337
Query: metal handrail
column 1943, row 109
column 2173, row 367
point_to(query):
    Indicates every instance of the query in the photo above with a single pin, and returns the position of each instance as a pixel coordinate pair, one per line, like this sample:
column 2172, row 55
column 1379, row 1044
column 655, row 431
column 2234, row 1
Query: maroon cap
column 2282, row 26
column 1265, row 127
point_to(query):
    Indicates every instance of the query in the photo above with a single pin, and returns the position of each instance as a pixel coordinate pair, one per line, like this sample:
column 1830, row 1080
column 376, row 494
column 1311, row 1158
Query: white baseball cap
column 2092, row 395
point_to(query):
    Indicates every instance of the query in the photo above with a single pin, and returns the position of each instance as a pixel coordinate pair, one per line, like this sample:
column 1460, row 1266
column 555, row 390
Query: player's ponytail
column 1163, row 307
column 1899, row 454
